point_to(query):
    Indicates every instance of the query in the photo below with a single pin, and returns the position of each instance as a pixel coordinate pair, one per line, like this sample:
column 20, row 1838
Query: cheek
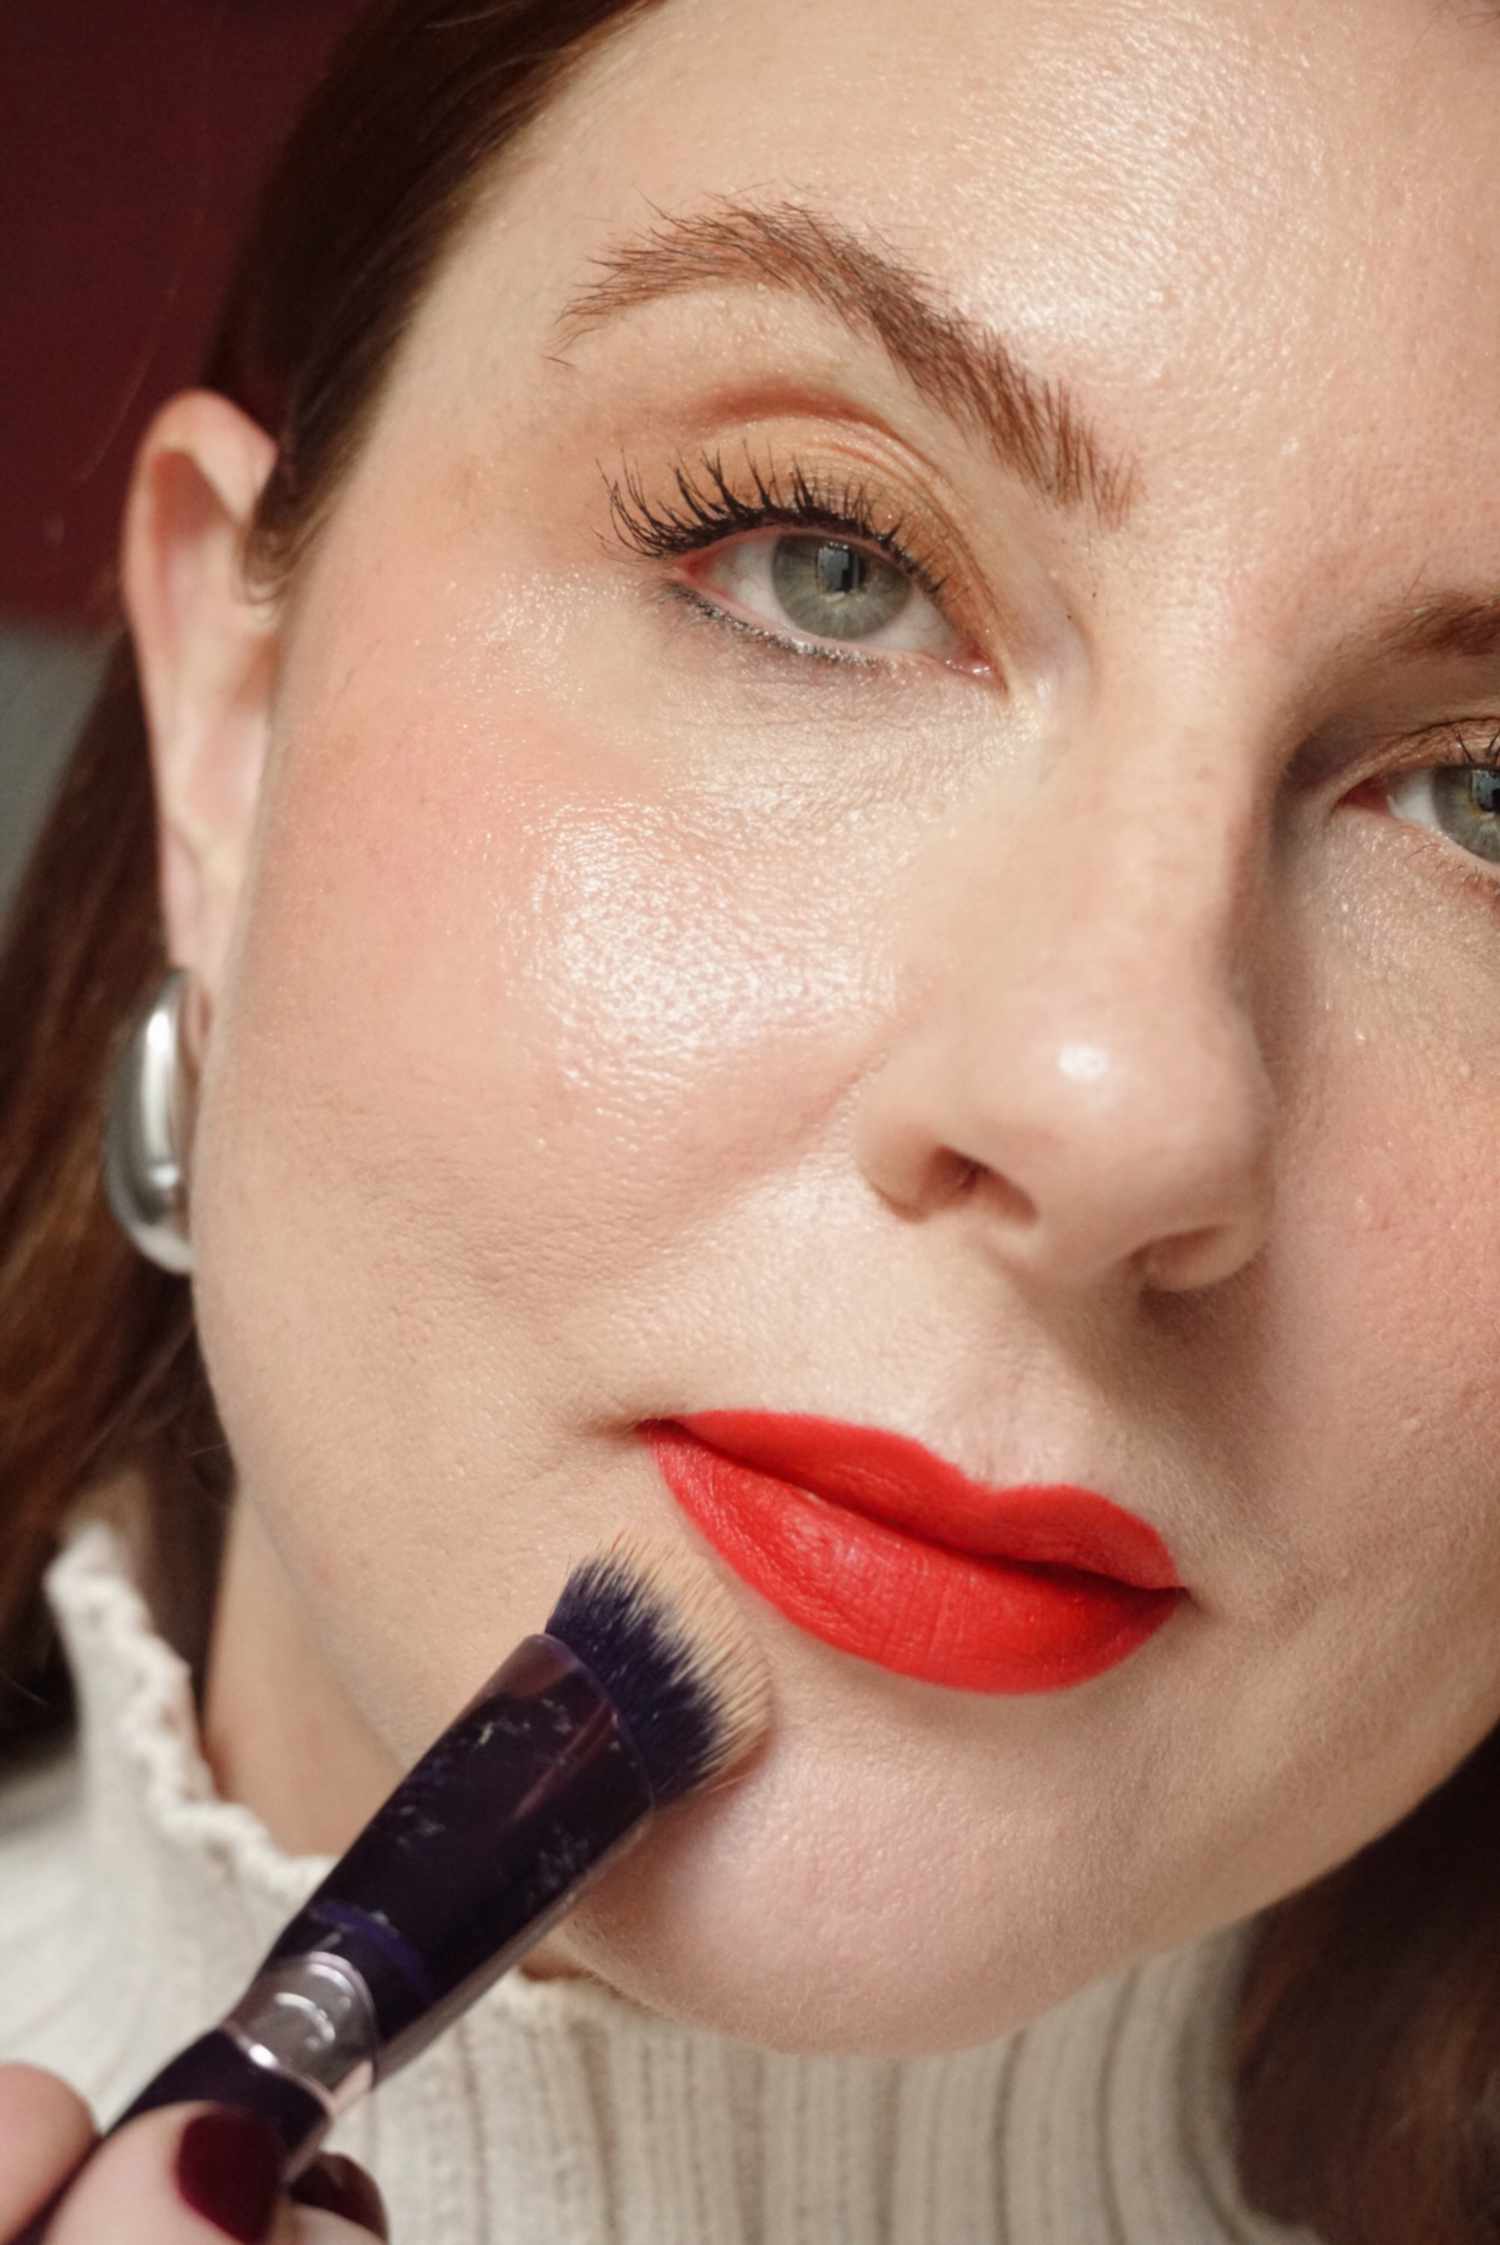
column 520, row 995
column 508, row 1033
column 1367, row 1357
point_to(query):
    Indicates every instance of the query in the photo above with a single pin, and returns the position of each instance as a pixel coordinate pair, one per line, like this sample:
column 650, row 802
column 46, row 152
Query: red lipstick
column 868, row 1541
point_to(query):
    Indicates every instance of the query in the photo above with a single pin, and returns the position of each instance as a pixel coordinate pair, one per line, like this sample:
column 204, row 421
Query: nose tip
column 1139, row 1148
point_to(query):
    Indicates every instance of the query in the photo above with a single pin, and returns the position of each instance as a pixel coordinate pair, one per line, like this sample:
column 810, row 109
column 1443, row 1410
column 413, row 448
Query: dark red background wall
column 133, row 134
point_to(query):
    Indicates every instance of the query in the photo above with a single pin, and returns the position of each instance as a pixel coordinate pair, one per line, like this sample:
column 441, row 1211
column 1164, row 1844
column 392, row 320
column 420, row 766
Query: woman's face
column 1066, row 1033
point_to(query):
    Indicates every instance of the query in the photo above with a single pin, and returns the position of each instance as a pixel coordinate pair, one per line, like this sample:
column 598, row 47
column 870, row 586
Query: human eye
column 836, row 579
column 1457, row 797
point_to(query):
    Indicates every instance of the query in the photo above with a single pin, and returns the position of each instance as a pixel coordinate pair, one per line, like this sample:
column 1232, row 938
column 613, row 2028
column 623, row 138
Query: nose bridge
column 1123, row 874
column 1082, row 1060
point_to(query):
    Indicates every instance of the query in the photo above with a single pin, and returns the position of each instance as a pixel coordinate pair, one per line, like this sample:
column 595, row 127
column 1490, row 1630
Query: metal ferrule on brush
column 311, row 2021
column 525, row 1798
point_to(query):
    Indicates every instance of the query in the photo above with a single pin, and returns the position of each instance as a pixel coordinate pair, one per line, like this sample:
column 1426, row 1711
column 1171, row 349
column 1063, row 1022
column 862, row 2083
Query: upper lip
column 893, row 1478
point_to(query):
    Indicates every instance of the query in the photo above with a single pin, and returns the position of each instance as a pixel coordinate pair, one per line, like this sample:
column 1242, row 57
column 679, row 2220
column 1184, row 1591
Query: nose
column 1076, row 1074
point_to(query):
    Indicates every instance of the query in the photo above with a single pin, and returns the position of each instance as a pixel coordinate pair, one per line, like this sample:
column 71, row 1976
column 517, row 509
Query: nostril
column 1016, row 1209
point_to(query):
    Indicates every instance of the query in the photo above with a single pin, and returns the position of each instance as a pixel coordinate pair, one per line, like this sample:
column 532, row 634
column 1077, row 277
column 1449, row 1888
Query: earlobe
column 205, row 651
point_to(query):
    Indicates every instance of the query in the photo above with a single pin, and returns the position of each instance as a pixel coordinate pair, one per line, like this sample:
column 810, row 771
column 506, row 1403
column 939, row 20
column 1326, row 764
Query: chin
column 800, row 1943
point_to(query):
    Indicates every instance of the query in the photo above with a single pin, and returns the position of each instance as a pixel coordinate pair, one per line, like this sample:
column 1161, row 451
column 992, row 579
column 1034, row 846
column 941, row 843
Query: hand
column 188, row 2175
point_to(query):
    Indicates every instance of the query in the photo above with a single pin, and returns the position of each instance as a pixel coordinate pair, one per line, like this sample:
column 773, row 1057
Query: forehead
column 1131, row 184
column 985, row 125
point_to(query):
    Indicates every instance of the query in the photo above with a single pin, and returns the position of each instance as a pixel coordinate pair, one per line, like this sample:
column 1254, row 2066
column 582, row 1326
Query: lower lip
column 918, row 1609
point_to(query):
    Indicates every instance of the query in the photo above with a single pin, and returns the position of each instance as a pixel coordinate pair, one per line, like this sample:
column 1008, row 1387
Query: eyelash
column 794, row 498
column 1488, row 762
column 1384, row 781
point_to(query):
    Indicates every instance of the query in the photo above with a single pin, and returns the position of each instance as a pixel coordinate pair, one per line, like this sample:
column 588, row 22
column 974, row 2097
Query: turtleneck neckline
column 135, row 1903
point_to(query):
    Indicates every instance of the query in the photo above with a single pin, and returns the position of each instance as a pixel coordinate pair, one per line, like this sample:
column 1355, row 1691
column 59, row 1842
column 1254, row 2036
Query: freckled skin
column 611, row 1011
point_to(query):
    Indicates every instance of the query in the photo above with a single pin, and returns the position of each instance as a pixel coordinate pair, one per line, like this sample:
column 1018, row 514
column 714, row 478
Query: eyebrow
column 1034, row 428
column 1445, row 625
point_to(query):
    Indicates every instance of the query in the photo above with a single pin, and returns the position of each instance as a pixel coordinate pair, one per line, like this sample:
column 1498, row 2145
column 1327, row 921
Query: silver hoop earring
column 147, row 1131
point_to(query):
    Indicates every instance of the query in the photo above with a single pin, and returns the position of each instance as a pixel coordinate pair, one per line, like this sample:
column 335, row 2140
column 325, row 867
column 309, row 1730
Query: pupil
column 1485, row 790
column 839, row 569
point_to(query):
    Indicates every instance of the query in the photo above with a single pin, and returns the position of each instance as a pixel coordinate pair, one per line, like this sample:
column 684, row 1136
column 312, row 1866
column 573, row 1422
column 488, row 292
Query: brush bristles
column 662, row 1636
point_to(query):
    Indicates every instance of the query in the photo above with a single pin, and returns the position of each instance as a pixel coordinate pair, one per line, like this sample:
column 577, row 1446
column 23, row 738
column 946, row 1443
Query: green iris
column 836, row 590
column 1466, row 804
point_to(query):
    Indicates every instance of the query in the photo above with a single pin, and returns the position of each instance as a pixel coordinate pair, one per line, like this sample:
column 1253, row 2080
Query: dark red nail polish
column 229, row 2170
column 338, row 2186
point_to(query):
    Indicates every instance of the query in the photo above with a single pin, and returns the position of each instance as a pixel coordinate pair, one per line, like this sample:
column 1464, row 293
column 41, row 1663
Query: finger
column 338, row 2186
column 187, row 2175
column 46, row 2130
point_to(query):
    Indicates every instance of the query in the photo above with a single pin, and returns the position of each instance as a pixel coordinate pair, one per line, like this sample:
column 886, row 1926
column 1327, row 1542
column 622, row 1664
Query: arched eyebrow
column 1033, row 427
column 1460, row 626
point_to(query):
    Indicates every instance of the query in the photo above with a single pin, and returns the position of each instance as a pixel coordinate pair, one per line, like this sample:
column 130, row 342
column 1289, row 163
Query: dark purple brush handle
column 213, row 2070
column 494, row 1833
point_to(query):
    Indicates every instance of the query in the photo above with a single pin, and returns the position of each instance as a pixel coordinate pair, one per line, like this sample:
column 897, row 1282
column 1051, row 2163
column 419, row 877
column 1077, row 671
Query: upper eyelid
column 849, row 497
column 970, row 559
column 1035, row 429
column 1413, row 751
column 809, row 498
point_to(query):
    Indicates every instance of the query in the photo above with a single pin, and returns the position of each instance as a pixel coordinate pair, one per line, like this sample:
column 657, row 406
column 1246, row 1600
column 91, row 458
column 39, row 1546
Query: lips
column 869, row 1542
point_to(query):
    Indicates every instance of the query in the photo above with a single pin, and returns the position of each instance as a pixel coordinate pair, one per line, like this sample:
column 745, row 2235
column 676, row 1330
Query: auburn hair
column 1366, row 2060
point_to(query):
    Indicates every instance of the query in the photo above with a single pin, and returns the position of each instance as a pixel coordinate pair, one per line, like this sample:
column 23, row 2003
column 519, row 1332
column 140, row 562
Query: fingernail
column 229, row 2170
column 338, row 2186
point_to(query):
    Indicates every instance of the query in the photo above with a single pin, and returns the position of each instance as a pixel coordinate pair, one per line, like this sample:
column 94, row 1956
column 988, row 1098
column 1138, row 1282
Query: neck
column 280, row 1732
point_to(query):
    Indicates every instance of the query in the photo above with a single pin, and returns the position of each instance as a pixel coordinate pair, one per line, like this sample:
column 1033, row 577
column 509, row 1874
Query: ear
column 205, row 651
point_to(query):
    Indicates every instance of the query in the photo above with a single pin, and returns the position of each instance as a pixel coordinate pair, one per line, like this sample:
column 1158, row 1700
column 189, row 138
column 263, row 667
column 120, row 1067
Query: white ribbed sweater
column 134, row 1903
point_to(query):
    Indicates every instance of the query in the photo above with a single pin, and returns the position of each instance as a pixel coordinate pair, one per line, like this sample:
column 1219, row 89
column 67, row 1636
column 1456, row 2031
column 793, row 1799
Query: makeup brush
column 644, row 1686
